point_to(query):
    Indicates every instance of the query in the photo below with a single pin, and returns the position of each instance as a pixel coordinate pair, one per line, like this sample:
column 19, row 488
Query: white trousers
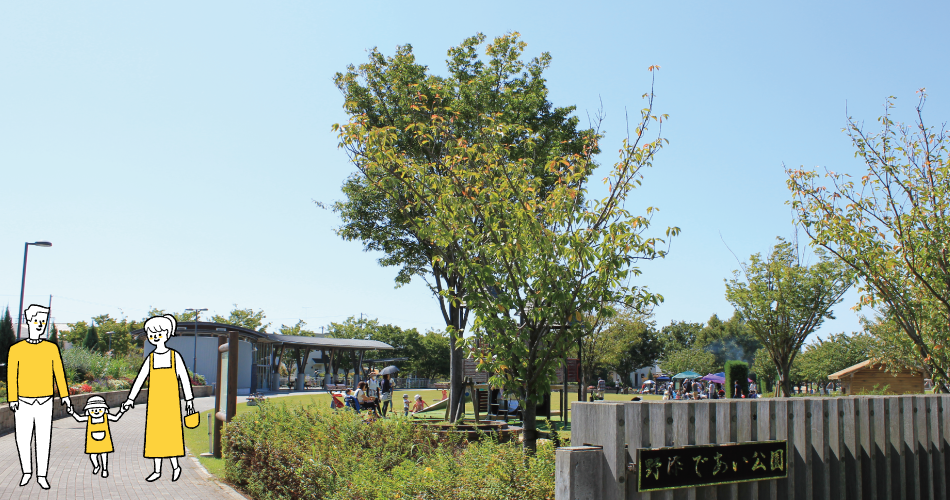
column 35, row 419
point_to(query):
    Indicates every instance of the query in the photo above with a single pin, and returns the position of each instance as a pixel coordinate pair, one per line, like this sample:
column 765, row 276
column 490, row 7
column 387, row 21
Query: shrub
column 79, row 389
column 737, row 370
column 196, row 379
column 281, row 451
column 84, row 365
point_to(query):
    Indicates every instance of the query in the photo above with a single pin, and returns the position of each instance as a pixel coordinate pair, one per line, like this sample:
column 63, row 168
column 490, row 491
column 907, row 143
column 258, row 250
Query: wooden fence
column 859, row 447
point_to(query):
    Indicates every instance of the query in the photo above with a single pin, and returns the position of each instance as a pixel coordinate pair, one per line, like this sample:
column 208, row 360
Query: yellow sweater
column 31, row 369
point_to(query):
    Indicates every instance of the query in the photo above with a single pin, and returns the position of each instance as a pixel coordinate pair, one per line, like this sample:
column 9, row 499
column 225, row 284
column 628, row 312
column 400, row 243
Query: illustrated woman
column 164, row 437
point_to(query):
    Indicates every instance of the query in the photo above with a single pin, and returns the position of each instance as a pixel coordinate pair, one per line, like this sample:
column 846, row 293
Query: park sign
column 706, row 465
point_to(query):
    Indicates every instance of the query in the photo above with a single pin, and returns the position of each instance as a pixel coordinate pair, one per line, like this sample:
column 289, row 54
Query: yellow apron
column 98, row 437
column 163, row 433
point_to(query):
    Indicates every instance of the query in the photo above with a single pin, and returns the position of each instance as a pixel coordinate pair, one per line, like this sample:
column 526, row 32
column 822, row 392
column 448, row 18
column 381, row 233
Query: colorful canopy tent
column 685, row 375
column 719, row 378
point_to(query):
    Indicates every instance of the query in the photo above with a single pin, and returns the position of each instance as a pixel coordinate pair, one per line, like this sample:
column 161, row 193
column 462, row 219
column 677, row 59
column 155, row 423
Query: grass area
column 197, row 439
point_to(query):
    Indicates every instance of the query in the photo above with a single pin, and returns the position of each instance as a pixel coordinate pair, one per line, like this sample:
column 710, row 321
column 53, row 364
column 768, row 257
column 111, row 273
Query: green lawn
column 197, row 439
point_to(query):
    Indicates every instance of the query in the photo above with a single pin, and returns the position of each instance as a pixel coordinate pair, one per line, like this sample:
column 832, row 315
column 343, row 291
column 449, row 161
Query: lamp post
column 110, row 340
column 194, row 362
column 26, row 249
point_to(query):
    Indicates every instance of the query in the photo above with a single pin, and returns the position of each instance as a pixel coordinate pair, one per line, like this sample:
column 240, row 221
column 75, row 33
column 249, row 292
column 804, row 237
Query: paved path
column 70, row 472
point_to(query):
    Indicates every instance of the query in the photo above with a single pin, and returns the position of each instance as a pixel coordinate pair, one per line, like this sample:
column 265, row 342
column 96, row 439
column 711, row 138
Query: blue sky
column 172, row 152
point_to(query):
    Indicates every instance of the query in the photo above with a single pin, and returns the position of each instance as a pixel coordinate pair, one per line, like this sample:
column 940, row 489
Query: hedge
column 737, row 370
column 312, row 452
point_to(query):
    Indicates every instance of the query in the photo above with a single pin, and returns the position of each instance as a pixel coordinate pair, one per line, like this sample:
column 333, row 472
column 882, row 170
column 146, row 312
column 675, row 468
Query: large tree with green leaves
column 783, row 300
column 838, row 351
column 891, row 225
column 393, row 95
column 695, row 358
column 729, row 340
column 248, row 318
column 534, row 252
column 628, row 342
column 122, row 340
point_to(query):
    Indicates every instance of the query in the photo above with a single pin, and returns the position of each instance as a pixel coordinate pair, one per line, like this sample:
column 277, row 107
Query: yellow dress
column 164, row 436
column 98, row 437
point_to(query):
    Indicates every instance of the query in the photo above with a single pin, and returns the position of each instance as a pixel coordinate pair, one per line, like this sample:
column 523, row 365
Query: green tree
column 393, row 96
column 247, row 318
column 730, row 339
column 431, row 360
column 297, row 329
column 823, row 357
column 54, row 335
column 890, row 224
column 122, row 340
column 91, row 341
column 679, row 335
column 522, row 234
column 764, row 370
column 7, row 336
column 695, row 358
column 632, row 342
column 784, row 300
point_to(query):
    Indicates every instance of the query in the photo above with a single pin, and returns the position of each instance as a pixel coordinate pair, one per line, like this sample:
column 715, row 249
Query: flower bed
column 289, row 451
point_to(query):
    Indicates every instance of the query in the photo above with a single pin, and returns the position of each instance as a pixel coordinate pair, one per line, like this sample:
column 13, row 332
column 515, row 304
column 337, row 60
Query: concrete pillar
column 579, row 473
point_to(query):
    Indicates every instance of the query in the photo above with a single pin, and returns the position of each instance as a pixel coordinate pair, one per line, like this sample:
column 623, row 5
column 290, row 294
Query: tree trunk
column 530, row 424
column 456, row 366
column 784, row 387
column 581, row 389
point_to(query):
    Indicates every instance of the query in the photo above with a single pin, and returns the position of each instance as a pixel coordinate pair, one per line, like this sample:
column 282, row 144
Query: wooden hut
column 865, row 375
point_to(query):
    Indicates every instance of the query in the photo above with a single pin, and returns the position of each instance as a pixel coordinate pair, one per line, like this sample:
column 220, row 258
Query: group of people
column 377, row 396
column 35, row 373
column 697, row 389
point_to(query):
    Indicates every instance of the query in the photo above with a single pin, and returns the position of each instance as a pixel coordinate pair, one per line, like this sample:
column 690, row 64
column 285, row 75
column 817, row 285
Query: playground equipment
column 472, row 429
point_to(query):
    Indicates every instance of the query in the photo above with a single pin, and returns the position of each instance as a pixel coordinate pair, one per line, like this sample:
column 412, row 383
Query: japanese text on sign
column 689, row 466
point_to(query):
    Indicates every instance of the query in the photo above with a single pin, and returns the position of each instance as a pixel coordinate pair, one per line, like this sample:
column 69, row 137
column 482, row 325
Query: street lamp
column 26, row 248
column 110, row 339
column 194, row 362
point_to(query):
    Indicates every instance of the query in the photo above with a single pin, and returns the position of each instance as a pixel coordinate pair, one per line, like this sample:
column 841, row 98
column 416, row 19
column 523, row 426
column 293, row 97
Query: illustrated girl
column 98, row 436
column 165, row 369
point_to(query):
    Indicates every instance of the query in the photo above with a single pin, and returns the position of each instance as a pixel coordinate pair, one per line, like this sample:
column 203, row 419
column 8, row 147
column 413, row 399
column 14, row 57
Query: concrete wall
column 208, row 358
column 873, row 447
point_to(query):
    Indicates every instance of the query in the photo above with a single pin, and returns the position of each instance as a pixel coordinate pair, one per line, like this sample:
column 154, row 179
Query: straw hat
column 96, row 402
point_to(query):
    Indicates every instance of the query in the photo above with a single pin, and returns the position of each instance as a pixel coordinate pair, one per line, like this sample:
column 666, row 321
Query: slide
column 438, row 405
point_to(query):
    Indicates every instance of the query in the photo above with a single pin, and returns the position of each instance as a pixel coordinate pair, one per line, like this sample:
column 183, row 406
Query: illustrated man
column 34, row 365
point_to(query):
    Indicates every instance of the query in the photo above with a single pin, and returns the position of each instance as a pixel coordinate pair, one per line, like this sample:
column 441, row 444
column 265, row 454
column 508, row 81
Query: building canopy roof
column 209, row 328
column 868, row 364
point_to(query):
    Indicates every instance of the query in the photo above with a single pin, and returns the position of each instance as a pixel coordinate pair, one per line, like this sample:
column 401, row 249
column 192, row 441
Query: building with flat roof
column 260, row 354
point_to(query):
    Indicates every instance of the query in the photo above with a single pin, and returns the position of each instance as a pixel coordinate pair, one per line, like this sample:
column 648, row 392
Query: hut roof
column 866, row 364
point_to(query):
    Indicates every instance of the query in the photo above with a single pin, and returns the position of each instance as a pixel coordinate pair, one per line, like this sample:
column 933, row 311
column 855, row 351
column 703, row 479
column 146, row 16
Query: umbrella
column 389, row 370
column 715, row 377
column 645, row 382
